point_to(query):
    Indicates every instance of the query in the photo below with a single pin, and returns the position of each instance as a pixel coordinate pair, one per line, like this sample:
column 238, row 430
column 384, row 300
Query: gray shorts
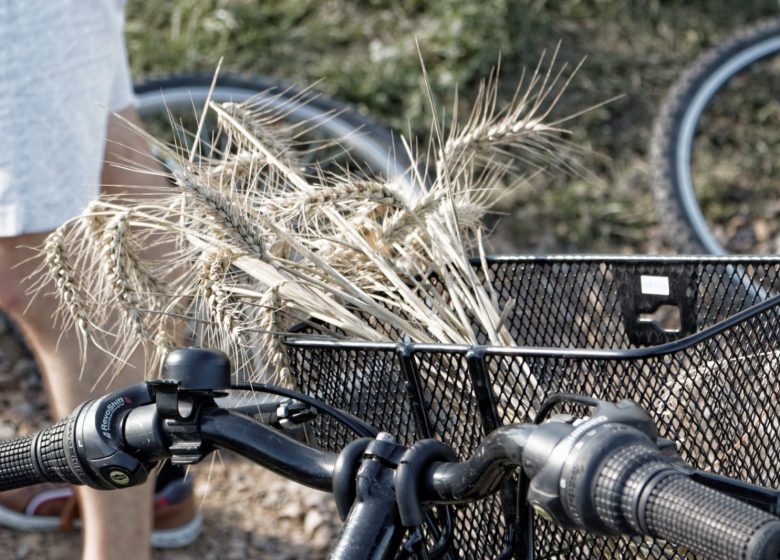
column 63, row 68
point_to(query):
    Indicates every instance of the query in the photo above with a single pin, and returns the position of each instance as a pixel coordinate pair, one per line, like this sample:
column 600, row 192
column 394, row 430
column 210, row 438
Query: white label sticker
column 655, row 285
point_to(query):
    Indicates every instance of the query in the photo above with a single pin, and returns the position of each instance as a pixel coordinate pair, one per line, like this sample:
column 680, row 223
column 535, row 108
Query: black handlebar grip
column 17, row 464
column 637, row 490
column 47, row 456
column 709, row 522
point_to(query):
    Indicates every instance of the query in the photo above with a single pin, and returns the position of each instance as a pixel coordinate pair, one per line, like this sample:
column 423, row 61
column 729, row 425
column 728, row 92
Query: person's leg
column 115, row 522
column 126, row 150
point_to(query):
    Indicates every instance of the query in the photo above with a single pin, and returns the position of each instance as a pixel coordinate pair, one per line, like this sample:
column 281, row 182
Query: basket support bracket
column 486, row 402
column 414, row 389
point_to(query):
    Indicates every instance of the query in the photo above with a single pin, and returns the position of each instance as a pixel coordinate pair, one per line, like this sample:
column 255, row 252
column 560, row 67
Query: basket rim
column 313, row 342
column 642, row 259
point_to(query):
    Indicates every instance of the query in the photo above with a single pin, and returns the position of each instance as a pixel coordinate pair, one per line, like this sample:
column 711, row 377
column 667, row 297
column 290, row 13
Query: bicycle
column 708, row 192
column 412, row 479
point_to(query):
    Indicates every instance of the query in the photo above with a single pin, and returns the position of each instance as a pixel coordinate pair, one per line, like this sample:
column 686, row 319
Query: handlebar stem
column 373, row 528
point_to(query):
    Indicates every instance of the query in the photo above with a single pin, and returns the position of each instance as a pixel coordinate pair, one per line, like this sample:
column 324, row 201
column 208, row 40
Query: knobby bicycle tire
column 686, row 228
column 366, row 141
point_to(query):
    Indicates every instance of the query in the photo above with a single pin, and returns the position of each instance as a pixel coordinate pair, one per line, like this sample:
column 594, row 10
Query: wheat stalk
column 67, row 286
column 262, row 243
column 133, row 288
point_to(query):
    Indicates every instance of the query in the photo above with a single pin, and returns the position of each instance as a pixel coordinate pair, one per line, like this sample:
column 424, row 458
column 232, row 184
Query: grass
column 366, row 53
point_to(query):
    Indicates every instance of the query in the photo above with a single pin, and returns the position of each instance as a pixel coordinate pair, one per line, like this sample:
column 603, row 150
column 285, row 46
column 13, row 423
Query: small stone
column 315, row 499
column 23, row 551
column 322, row 538
column 7, row 430
column 312, row 521
column 291, row 510
column 24, row 367
column 761, row 230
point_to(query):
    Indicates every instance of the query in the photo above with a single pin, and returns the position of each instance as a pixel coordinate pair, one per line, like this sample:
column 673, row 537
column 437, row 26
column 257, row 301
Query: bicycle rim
column 362, row 142
column 687, row 132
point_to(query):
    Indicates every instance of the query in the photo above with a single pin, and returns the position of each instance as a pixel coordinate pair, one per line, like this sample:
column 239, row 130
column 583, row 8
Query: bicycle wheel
column 713, row 153
column 336, row 135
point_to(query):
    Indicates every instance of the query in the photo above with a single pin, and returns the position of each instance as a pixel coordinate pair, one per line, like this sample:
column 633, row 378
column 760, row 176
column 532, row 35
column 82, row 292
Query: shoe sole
column 176, row 537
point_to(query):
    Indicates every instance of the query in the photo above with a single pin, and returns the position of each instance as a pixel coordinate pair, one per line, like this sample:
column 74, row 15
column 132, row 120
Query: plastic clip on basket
column 694, row 341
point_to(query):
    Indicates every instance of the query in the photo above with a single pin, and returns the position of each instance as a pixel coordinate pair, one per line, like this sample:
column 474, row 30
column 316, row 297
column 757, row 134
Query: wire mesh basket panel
column 692, row 340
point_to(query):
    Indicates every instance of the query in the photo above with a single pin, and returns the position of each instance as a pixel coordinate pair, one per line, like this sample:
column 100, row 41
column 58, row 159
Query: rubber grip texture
column 17, row 464
column 619, row 482
column 709, row 522
column 637, row 490
column 48, row 456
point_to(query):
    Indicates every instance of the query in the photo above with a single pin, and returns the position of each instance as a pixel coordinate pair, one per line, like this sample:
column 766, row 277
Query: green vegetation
column 365, row 52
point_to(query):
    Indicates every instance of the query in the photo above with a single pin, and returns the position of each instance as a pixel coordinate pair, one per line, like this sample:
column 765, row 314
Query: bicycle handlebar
column 608, row 476
column 279, row 453
column 61, row 453
column 605, row 474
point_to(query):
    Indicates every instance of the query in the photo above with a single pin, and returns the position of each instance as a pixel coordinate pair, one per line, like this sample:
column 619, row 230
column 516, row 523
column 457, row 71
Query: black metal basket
column 591, row 325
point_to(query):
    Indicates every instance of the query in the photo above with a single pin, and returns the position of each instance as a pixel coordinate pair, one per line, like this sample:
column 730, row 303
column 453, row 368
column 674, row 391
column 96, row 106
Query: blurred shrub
column 363, row 52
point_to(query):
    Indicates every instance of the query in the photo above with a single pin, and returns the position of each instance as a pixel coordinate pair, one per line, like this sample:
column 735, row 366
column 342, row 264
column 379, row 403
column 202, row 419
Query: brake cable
column 358, row 426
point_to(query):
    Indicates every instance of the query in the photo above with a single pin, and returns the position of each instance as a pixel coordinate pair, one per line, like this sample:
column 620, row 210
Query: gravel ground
column 248, row 512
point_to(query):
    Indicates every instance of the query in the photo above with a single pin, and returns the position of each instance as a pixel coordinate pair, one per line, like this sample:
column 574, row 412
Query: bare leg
column 115, row 523
column 118, row 523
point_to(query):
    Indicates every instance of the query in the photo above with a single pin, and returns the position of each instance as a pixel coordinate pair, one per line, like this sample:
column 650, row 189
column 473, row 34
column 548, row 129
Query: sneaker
column 51, row 507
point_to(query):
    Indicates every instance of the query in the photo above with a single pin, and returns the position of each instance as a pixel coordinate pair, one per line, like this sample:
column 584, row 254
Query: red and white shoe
column 51, row 507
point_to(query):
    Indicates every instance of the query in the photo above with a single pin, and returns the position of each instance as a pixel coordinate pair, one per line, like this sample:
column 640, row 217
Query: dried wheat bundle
column 246, row 242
